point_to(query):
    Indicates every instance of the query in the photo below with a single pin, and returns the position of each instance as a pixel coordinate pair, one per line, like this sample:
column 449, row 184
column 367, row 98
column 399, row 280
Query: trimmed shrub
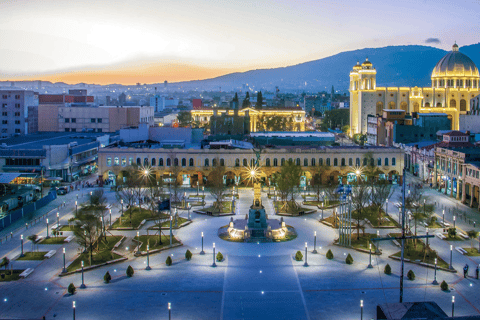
column 219, row 257
column 130, row 271
column 452, row 232
column 444, row 286
column 329, row 254
column 388, row 269
column 107, row 277
column 349, row 259
column 71, row 288
column 411, row 275
column 169, row 261
column 299, row 256
column 188, row 255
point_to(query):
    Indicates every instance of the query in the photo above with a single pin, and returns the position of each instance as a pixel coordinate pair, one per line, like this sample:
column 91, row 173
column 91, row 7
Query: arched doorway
column 416, row 107
column 463, row 105
column 391, row 105
column 379, row 109
column 427, row 104
column 393, row 177
column 404, row 106
column 453, row 104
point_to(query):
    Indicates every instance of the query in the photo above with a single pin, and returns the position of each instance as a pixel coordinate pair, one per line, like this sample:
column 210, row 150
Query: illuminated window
column 116, row 161
column 109, row 161
column 124, row 161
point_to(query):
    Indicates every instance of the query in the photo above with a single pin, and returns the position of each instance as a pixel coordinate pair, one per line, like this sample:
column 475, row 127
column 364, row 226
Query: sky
column 113, row 41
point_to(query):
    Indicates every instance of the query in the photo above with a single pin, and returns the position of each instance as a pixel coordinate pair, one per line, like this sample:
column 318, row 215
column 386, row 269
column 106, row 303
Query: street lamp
column 370, row 257
column 169, row 311
column 47, row 237
column 314, row 242
column 21, row 239
column 73, row 305
column 435, row 273
column 214, row 264
column 202, row 252
column 58, row 223
column 451, row 257
column 454, row 218
column 76, row 207
column 83, row 286
column 110, row 212
column 64, row 269
column 386, row 207
column 171, row 232
column 148, row 258
column 85, row 237
column 198, row 186
column 378, row 244
column 121, row 201
column 322, row 210
column 306, row 263
column 361, row 309
column 453, row 306
column 203, row 196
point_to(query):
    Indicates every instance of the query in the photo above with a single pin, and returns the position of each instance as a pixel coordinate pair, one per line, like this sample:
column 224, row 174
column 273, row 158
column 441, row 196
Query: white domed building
column 455, row 80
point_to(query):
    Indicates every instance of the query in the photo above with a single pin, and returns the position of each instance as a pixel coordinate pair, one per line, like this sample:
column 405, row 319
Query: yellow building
column 295, row 116
column 455, row 80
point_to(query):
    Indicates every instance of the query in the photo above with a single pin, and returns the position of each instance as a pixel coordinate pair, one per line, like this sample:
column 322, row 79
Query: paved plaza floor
column 255, row 280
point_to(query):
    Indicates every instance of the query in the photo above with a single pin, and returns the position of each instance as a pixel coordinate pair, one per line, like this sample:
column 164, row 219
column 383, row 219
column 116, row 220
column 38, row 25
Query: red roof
column 456, row 134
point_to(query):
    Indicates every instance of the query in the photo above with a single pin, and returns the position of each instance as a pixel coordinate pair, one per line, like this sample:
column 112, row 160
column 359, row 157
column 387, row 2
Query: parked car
column 62, row 190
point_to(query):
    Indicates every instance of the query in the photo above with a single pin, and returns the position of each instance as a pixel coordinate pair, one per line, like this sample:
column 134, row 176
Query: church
column 455, row 80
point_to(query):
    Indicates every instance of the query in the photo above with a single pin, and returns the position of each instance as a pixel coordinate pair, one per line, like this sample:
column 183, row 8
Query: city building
column 316, row 103
column 159, row 103
column 58, row 155
column 293, row 118
column 455, row 80
column 93, row 119
column 287, row 138
column 471, row 120
column 19, row 113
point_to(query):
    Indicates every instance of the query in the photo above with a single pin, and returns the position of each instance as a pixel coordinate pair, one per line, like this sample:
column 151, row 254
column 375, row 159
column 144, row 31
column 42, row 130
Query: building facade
column 455, row 80
column 15, row 106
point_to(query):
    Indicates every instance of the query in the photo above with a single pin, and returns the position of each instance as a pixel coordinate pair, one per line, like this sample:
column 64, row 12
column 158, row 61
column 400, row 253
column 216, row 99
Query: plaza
column 254, row 280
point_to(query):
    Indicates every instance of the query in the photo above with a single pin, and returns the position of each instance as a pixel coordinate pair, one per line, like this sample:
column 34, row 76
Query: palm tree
column 33, row 238
column 472, row 234
column 5, row 262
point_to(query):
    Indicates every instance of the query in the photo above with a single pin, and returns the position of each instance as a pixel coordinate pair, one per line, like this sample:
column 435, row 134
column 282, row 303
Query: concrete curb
column 423, row 264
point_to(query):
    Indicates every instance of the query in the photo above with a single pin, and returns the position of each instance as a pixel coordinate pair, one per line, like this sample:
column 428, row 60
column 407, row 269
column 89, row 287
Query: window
column 92, row 120
column 267, row 162
column 335, row 162
column 313, row 162
column 305, row 162
column 4, row 122
column 184, row 162
column 365, row 161
column 320, row 161
column 214, row 162
column 297, row 161
column 191, row 163
column 169, row 162
column 17, row 105
column 17, row 97
column 328, row 161
column 130, row 161
column 252, row 162
column 357, row 162
column 237, row 162
column 282, row 162
column 17, row 131
column 145, row 162
column 5, row 113
column 343, row 162
column 4, row 105
column 4, row 96
column 116, row 161
column 17, row 114
column 275, row 162
column 74, row 120
column 386, row 162
column 124, row 162
column 222, row 162
column 67, row 120
column 17, row 121
column 379, row 161
column 99, row 120
column 139, row 162
column 350, row 162
column 4, row 130
column 206, row 164
column 394, row 161
column 99, row 130
column 67, row 129
column 109, row 161
column 245, row 163
column 160, row 162
column 154, row 162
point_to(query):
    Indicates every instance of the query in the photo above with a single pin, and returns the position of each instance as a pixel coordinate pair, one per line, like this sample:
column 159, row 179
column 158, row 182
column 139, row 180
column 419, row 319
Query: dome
column 357, row 66
column 366, row 63
column 455, row 64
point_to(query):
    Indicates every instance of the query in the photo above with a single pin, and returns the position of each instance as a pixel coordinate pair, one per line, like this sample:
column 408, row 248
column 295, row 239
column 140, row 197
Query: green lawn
column 138, row 215
column 319, row 203
column 8, row 276
column 378, row 219
column 364, row 241
column 418, row 253
column 456, row 238
column 103, row 255
column 34, row 255
column 153, row 242
column 53, row 240
column 473, row 252
column 166, row 224
column 68, row 228
column 226, row 208
column 288, row 207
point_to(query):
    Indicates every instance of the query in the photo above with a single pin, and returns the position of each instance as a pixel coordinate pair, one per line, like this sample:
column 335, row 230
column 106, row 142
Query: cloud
column 433, row 40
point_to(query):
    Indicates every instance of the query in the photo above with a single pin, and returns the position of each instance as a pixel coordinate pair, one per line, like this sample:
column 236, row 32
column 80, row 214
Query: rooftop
column 38, row 140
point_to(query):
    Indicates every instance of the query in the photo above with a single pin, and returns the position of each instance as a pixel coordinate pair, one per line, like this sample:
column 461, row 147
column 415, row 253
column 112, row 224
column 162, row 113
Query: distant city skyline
column 108, row 42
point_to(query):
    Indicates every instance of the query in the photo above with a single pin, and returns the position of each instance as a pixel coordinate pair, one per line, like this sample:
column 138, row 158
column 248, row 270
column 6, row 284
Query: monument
column 257, row 218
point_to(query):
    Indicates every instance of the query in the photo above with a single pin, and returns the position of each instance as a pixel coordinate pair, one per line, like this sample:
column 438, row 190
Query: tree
column 334, row 119
column 360, row 198
column 235, row 99
column 184, row 118
column 127, row 193
column 86, row 231
column 107, row 277
column 259, row 103
column 98, row 204
column 288, row 180
column 33, row 239
column 317, row 182
column 5, row 262
column 130, row 271
column 380, row 191
column 216, row 186
column 246, row 101
column 472, row 234
column 188, row 255
column 174, row 183
column 71, row 288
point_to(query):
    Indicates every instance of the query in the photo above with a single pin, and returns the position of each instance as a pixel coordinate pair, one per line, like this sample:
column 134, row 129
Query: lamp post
column 171, row 232
column 83, row 286
column 198, row 188
column 73, row 305
column 148, row 258
column 203, row 196
column 386, row 207
column 47, row 237
column 202, row 252
column 169, row 311
column 188, row 208
column 76, row 207
column 214, row 264
column 426, row 247
column 306, row 252
column 361, row 309
column 314, row 242
column 435, row 273
column 85, row 237
column 370, row 257
column 58, row 223
column 378, row 244
column 454, row 218
column 21, row 239
column 121, row 201
column 322, row 210
column 443, row 214
column 453, row 306
column 64, row 269
column 110, row 212
column 451, row 257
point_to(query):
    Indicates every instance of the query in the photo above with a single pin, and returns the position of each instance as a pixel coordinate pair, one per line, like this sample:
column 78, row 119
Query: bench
column 50, row 254
column 461, row 250
column 39, row 238
column 440, row 236
column 26, row 273
column 69, row 238
column 446, row 224
column 463, row 235
column 395, row 242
